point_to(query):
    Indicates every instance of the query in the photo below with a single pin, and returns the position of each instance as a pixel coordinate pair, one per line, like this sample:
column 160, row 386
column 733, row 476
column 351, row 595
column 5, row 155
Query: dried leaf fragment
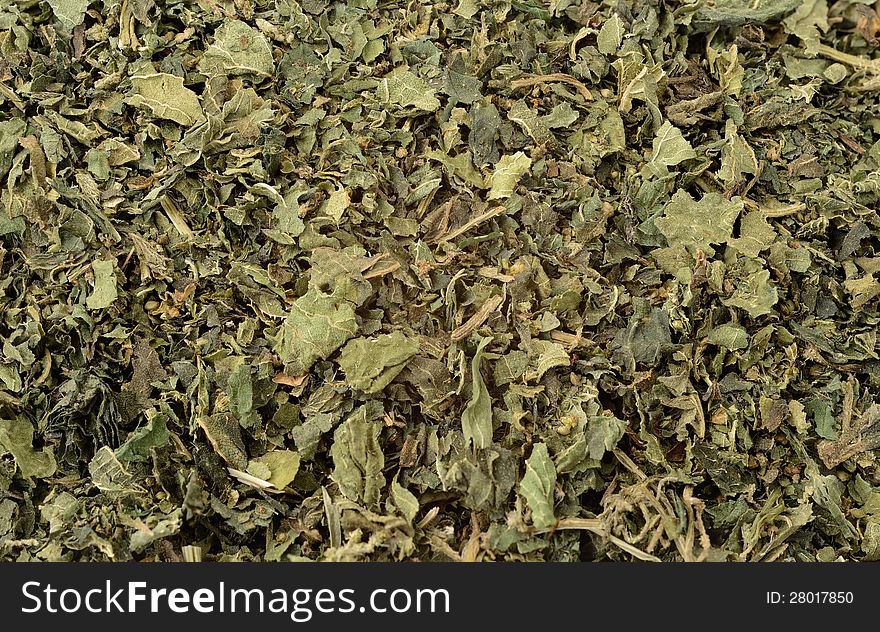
column 166, row 97
column 538, row 486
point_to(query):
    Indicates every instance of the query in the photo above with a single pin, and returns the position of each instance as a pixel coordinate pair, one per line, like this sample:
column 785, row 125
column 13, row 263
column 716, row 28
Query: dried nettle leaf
column 224, row 433
column 69, row 12
column 282, row 466
column 316, row 326
column 166, row 97
column 371, row 363
column 16, row 438
column 404, row 500
column 476, row 420
column 358, row 459
column 737, row 156
column 670, row 147
column 406, row 89
column 698, row 224
column 754, row 292
column 104, row 294
column 755, row 234
column 538, row 486
column 611, row 35
column 238, row 49
column 153, row 434
column 507, row 173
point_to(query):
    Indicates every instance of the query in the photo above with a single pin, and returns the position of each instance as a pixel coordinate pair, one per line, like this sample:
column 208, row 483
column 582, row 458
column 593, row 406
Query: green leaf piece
column 462, row 87
column 756, row 234
column 282, row 465
column 543, row 356
column 476, row 420
column 730, row 337
column 697, row 224
column 404, row 500
column 538, row 486
column 337, row 204
column 562, row 116
column 670, row 147
column 69, row 12
column 754, row 294
column 166, row 97
column 16, row 438
column 371, row 363
column 241, row 396
column 238, row 49
column 603, row 433
column 104, row 294
column 507, row 173
column 405, row 89
column 737, row 156
column 807, row 21
column 316, row 326
column 153, row 434
column 224, row 434
column 358, row 459
column 823, row 418
column 611, row 35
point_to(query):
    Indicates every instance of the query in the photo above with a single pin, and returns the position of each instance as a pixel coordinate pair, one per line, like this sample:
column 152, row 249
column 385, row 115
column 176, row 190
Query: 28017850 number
column 820, row 597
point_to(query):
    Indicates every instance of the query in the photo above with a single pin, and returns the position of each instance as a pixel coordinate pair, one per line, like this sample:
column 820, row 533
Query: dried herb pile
column 515, row 280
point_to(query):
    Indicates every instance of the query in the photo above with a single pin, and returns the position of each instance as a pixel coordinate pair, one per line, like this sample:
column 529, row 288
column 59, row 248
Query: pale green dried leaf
column 308, row 435
column 104, row 293
column 561, row 116
column 670, row 148
column 807, row 21
column 316, row 326
column 862, row 290
column 730, row 337
column 835, row 73
column 405, row 89
column 283, row 466
column 507, row 173
column 16, row 438
column 538, row 486
column 166, row 97
column 823, row 418
column 543, row 356
column 476, row 420
column 371, row 363
column 460, row 166
column 730, row 71
column 358, row 459
column 461, row 87
column 737, row 157
column 238, row 49
column 510, row 367
column 108, row 473
column 69, row 12
column 10, row 132
column 404, row 500
column 241, row 395
column 697, row 224
column 337, row 204
column 754, row 294
column 153, row 434
column 755, row 234
column 611, row 35
column 603, row 433
column 259, row 469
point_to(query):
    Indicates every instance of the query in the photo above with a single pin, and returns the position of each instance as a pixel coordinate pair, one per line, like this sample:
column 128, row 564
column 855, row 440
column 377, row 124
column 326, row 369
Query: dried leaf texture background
column 459, row 280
